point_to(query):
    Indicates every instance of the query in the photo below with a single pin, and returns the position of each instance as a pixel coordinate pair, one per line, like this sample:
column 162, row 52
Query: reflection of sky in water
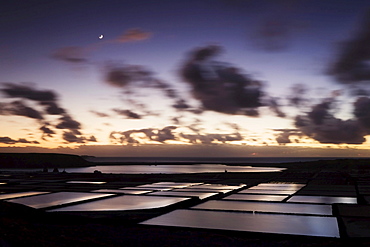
column 267, row 186
column 126, row 202
column 134, row 192
column 191, row 189
column 20, row 194
column 167, row 169
column 290, row 208
column 217, row 186
column 84, row 182
column 323, row 199
column 154, row 188
column 133, row 188
column 200, row 195
column 273, row 192
column 267, row 223
column 54, row 199
column 174, row 184
column 247, row 197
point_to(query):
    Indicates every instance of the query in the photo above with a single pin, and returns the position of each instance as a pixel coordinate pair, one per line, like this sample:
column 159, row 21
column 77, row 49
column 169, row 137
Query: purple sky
column 286, row 75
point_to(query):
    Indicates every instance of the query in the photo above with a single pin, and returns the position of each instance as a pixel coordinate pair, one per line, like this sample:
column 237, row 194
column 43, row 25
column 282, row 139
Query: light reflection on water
column 20, row 194
column 246, row 197
column 323, row 199
column 267, row 223
column 169, row 169
column 126, row 202
column 285, row 208
column 54, row 199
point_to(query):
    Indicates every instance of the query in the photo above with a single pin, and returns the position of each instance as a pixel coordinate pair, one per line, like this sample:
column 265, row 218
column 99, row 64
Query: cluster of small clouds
column 8, row 140
column 45, row 103
column 171, row 133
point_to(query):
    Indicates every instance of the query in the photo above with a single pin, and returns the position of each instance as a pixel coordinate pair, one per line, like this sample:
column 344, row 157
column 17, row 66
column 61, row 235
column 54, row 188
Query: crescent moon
column 101, row 36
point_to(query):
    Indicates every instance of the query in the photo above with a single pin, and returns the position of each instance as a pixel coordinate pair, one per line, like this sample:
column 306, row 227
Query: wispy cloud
column 133, row 35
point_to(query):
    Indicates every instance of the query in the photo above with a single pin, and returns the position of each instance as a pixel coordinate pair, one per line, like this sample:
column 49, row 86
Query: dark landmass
column 25, row 226
column 41, row 160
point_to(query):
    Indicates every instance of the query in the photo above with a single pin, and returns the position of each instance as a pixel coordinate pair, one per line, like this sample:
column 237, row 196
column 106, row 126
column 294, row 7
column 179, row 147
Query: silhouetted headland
column 41, row 160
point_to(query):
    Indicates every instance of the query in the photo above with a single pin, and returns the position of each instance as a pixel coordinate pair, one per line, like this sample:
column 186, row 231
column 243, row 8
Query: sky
column 185, row 78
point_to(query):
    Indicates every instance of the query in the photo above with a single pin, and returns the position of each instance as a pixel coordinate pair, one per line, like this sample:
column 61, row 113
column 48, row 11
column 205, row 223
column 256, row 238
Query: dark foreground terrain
column 25, row 226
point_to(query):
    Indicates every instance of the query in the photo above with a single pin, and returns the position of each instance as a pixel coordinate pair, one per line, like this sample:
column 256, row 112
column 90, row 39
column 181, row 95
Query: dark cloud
column 127, row 113
column 73, row 54
column 52, row 108
column 352, row 62
column 45, row 98
column 319, row 112
column 275, row 107
column 19, row 108
column 92, row 139
column 124, row 75
column 181, row 104
column 72, row 137
column 99, row 114
column 8, row 140
column 66, row 122
column 27, row 92
column 46, row 131
column 164, row 134
column 321, row 125
column 362, row 111
column 297, row 95
column 222, row 87
column 284, row 136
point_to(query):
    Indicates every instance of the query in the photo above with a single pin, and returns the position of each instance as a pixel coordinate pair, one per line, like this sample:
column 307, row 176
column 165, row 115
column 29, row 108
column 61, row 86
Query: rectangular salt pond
column 323, row 199
column 247, row 197
column 175, row 184
column 121, row 203
column 133, row 192
column 269, row 192
column 263, row 223
column 284, row 208
column 134, row 188
column 217, row 187
column 84, row 182
column 268, row 186
column 191, row 189
column 200, row 195
column 20, row 194
column 153, row 188
column 55, row 199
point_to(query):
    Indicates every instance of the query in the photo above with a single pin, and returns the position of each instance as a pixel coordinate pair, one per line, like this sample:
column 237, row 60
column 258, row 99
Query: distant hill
column 41, row 160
